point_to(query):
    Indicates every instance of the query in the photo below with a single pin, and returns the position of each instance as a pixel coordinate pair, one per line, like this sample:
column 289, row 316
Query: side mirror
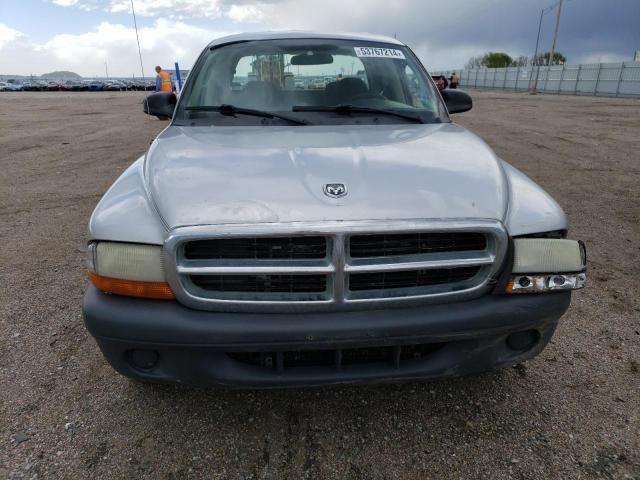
column 161, row 105
column 456, row 100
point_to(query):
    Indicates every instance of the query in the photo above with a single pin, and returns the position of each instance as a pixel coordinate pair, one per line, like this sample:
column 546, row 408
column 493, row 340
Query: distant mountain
column 62, row 76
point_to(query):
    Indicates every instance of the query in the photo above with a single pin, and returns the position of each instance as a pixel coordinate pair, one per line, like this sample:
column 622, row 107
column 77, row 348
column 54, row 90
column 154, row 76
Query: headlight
column 546, row 264
column 128, row 269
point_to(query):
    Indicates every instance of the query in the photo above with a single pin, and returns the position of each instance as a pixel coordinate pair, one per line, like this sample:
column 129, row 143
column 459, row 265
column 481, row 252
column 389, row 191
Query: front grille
column 269, row 248
column 410, row 279
column 337, row 265
column 395, row 356
column 261, row 283
column 362, row 246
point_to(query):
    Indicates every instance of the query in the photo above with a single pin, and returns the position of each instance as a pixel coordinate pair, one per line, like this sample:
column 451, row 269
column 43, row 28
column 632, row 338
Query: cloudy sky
column 39, row 36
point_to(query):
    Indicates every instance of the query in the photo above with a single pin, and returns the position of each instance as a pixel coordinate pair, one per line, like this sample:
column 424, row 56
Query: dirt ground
column 573, row 412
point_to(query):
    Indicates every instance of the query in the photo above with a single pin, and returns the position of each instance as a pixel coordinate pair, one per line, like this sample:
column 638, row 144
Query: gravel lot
column 573, row 412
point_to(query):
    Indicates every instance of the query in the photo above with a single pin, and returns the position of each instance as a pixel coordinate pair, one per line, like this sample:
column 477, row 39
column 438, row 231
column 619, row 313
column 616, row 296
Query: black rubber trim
column 550, row 234
column 170, row 323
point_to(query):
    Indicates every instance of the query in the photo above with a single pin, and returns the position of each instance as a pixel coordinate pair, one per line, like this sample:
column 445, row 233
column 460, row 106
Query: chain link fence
column 601, row 79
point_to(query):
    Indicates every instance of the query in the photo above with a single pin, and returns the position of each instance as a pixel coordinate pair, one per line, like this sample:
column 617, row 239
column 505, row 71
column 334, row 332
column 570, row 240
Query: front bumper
column 166, row 342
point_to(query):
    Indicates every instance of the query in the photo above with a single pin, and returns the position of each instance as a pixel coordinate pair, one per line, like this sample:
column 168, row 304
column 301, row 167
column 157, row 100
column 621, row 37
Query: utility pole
column 106, row 70
column 534, row 83
column 555, row 34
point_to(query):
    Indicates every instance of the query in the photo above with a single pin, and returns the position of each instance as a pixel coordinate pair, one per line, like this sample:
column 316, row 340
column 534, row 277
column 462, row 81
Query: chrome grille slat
column 410, row 269
column 256, row 269
column 421, row 264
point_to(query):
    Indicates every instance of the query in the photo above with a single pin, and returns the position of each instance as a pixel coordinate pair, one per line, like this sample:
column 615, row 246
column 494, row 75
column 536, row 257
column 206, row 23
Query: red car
column 54, row 87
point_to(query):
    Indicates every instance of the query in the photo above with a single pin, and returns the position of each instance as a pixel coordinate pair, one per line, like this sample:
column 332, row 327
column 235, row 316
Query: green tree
column 521, row 61
column 496, row 60
column 474, row 62
column 543, row 59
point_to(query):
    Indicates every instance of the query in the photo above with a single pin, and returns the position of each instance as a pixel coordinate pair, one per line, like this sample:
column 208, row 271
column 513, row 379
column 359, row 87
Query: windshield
column 310, row 80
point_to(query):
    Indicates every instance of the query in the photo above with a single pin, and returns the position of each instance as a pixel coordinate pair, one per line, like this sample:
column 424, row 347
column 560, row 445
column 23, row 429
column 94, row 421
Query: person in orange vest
column 163, row 81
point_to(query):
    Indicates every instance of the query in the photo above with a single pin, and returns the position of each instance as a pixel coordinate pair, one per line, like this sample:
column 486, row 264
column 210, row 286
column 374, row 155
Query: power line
column 144, row 82
column 135, row 24
column 534, row 61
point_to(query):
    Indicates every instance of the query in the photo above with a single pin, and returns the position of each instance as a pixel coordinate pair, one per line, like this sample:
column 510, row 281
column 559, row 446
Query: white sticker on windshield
column 378, row 52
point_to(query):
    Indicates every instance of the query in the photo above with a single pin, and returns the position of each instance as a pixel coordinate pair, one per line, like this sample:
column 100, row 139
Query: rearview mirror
column 312, row 59
column 456, row 100
column 161, row 105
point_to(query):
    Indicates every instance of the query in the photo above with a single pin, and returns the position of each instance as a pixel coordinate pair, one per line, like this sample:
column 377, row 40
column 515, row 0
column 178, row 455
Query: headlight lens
column 546, row 264
column 536, row 255
column 128, row 269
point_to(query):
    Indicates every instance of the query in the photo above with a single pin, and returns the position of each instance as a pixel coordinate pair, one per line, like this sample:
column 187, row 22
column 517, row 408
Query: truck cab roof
column 293, row 34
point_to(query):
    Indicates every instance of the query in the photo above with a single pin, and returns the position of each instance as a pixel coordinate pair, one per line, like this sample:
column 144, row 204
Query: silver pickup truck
column 279, row 236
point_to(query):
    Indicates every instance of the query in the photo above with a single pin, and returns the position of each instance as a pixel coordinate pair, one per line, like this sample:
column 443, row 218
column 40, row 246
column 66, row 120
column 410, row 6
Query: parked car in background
column 5, row 87
column 318, row 84
column 29, row 86
column 96, row 86
column 80, row 86
column 71, row 86
column 114, row 86
column 34, row 86
column 277, row 237
column 54, row 87
column 129, row 85
column 138, row 85
column 15, row 85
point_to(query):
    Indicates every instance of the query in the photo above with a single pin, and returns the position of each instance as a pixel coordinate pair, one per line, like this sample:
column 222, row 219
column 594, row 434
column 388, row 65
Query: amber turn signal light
column 132, row 288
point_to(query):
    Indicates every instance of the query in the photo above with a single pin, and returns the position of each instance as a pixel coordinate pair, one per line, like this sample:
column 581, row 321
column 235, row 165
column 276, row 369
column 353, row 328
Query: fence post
column 475, row 79
column 620, row 79
column 595, row 92
column 561, row 78
column 484, row 82
column 504, row 81
column 575, row 89
column 546, row 79
column 515, row 85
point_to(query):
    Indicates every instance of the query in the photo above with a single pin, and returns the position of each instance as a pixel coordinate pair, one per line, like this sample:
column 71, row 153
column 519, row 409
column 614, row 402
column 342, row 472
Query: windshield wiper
column 347, row 109
column 231, row 110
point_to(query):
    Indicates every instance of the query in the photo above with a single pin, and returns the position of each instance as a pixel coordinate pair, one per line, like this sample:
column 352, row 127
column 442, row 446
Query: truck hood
column 216, row 175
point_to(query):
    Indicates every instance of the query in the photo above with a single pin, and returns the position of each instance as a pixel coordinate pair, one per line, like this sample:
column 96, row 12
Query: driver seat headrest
column 345, row 90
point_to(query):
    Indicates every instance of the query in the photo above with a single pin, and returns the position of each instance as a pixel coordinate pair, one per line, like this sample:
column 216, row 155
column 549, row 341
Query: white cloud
column 602, row 57
column 65, row 3
column 86, row 5
column 163, row 43
column 170, row 8
column 236, row 10
column 245, row 13
column 438, row 32
column 8, row 35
